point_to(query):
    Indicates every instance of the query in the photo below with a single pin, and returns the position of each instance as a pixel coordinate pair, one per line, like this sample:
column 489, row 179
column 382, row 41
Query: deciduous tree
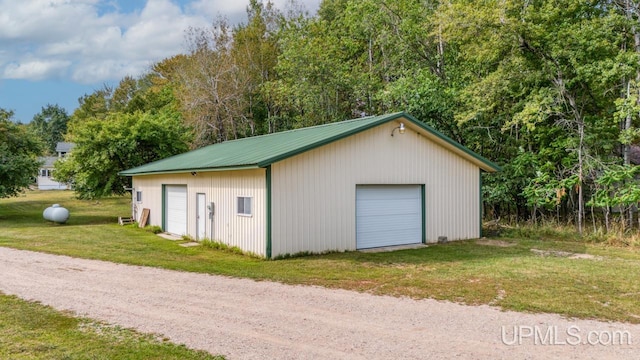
column 118, row 142
column 50, row 126
column 18, row 156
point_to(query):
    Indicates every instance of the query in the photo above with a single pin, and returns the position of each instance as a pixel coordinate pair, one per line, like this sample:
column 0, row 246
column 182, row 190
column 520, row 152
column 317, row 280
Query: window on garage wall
column 244, row 206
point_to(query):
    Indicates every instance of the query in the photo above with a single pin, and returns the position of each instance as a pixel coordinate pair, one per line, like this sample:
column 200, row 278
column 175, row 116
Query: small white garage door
column 176, row 209
column 388, row 215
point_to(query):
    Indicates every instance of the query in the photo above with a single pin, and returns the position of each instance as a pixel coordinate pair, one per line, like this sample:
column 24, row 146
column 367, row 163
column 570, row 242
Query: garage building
column 357, row 184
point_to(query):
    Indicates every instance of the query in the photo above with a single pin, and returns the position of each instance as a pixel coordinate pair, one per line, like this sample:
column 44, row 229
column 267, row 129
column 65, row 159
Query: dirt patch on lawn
column 565, row 254
column 498, row 243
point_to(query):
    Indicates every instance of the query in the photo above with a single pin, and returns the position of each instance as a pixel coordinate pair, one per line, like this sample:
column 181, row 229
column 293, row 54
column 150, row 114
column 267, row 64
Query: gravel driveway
column 245, row 319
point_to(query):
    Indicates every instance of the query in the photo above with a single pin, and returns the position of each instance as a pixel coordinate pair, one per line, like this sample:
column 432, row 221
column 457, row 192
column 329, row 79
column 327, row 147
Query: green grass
column 32, row 331
column 511, row 277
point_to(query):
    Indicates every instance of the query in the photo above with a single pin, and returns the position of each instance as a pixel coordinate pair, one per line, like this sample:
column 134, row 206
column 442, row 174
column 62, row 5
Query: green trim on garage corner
column 268, row 180
column 480, row 201
column 164, row 207
column 424, row 215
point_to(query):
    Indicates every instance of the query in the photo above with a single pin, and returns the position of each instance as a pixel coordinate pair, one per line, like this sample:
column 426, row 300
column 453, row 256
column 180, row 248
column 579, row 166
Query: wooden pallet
column 125, row 220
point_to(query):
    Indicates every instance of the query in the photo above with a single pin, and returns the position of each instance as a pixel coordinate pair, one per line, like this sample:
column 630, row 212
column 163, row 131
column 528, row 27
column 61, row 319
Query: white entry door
column 201, row 216
column 176, row 209
column 388, row 215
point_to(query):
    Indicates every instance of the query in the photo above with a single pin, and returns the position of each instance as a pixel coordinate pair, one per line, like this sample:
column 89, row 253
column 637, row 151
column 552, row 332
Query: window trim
column 139, row 196
column 244, row 199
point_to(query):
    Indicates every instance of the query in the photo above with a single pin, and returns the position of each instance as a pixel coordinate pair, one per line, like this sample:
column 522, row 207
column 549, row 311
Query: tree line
column 548, row 89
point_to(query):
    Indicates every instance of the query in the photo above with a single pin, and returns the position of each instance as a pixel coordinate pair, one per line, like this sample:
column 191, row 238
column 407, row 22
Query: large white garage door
column 388, row 215
column 176, row 209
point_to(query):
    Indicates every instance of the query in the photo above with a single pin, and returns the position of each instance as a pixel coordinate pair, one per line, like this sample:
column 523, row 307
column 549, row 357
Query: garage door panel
column 385, row 238
column 388, row 215
column 385, row 192
column 388, row 207
column 390, row 233
column 399, row 221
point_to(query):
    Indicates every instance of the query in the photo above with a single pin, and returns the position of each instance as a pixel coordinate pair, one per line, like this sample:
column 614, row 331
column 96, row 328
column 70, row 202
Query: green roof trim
column 262, row 151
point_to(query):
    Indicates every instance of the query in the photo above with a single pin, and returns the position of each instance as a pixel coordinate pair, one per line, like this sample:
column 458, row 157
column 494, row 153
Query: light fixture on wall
column 194, row 173
column 400, row 129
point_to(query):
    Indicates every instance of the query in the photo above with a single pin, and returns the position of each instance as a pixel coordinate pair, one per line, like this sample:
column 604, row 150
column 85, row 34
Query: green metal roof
column 261, row 151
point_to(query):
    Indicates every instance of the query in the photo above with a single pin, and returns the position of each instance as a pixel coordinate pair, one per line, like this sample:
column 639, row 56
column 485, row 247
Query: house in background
column 357, row 184
column 44, row 180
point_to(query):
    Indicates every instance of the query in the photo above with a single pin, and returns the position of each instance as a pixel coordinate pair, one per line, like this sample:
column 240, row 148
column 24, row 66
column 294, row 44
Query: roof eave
column 180, row 171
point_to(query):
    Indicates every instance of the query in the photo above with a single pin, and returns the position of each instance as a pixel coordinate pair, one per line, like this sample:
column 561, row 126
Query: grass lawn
column 32, row 331
column 513, row 277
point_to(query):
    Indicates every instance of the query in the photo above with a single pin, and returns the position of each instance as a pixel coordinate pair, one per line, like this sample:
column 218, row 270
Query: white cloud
column 92, row 41
column 161, row 23
column 213, row 9
column 236, row 11
column 95, row 72
column 36, row 70
column 52, row 38
column 41, row 20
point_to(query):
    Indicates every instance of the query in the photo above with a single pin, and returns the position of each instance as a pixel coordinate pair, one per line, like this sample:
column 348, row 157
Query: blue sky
column 55, row 51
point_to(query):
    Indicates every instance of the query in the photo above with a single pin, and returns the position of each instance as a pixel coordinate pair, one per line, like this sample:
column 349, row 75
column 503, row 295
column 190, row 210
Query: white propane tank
column 56, row 213
column 46, row 214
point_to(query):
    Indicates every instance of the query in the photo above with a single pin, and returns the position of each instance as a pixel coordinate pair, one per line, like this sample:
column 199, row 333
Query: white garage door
column 176, row 209
column 388, row 215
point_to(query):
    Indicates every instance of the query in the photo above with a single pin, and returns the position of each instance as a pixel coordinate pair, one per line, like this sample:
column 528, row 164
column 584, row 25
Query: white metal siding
column 47, row 183
column 388, row 215
column 221, row 188
column 201, row 216
column 176, row 209
column 314, row 193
